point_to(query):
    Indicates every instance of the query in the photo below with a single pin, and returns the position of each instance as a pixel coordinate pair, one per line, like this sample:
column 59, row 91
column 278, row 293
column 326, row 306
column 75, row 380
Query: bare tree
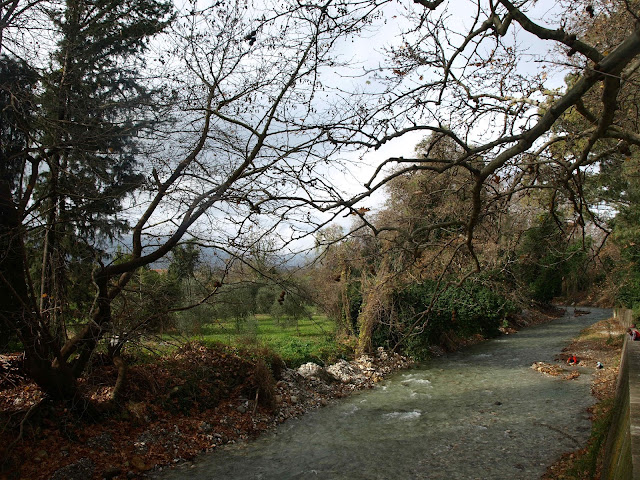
column 475, row 84
column 490, row 86
column 244, row 141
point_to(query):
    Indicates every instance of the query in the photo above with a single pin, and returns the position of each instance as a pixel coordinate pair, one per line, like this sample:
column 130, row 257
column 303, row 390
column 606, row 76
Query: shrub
column 457, row 312
column 264, row 385
column 200, row 376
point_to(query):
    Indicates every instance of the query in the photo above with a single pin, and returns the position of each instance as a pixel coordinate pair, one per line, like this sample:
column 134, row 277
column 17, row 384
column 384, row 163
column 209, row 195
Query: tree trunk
column 376, row 306
column 86, row 340
column 121, row 365
column 19, row 310
column 50, row 281
column 348, row 324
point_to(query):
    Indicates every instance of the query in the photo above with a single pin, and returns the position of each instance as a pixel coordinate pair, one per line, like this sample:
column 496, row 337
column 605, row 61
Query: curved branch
column 547, row 34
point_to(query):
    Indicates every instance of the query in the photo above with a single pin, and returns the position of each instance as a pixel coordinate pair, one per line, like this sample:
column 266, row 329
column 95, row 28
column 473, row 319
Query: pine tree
column 17, row 84
column 68, row 162
column 93, row 108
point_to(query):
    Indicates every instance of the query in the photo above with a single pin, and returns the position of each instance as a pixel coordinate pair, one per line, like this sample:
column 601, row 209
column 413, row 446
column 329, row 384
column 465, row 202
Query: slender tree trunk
column 120, row 364
column 53, row 258
column 85, row 341
column 348, row 326
column 51, row 281
column 376, row 305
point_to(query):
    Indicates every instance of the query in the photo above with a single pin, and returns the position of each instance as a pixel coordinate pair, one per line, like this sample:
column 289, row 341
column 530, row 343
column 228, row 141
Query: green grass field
column 306, row 340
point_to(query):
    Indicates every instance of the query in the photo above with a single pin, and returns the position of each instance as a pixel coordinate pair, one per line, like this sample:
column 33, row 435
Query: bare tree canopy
column 488, row 83
column 523, row 108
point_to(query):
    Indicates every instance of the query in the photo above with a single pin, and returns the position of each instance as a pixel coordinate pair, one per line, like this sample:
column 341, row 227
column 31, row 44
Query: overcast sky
column 367, row 52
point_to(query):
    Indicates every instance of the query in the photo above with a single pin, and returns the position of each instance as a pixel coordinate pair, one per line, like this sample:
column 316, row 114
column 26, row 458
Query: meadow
column 308, row 339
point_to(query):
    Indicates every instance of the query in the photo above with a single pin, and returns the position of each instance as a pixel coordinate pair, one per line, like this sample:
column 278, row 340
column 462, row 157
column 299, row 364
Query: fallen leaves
column 151, row 427
column 173, row 409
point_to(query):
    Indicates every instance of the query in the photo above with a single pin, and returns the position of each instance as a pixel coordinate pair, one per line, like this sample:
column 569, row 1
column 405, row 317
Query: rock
column 103, row 441
column 241, row 409
column 204, row 427
column 345, row 372
column 309, row 369
column 313, row 370
column 144, row 441
column 81, row 470
column 293, row 399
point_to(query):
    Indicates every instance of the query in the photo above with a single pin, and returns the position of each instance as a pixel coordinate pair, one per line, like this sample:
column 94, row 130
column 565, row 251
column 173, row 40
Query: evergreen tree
column 17, row 84
column 184, row 261
column 68, row 161
column 94, row 107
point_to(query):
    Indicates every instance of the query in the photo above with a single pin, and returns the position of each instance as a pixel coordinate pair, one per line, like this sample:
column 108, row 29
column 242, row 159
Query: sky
column 367, row 52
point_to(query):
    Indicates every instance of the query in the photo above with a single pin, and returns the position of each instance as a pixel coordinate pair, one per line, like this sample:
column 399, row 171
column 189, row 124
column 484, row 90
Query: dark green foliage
column 182, row 273
column 354, row 295
column 626, row 231
column 457, row 311
column 629, row 292
column 289, row 307
column 242, row 301
column 265, row 298
column 549, row 265
column 94, row 105
column 17, row 84
column 184, row 260
column 541, row 259
column 577, row 275
column 236, row 302
column 88, row 124
column 145, row 306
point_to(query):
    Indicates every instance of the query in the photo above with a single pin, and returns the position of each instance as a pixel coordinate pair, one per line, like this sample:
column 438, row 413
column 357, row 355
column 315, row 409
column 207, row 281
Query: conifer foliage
column 71, row 131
